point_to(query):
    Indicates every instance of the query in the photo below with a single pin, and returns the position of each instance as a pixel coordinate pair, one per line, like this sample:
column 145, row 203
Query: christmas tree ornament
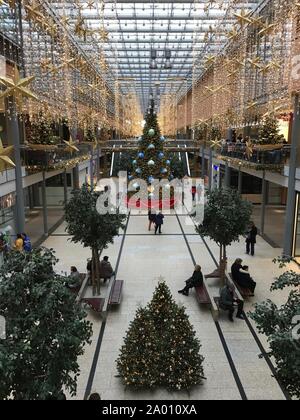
column 163, row 170
column 150, row 179
column 151, row 146
column 138, row 171
column 136, row 185
column 168, row 162
column 162, row 138
column 151, row 163
column 141, row 155
column 134, row 162
column 161, row 155
column 151, row 132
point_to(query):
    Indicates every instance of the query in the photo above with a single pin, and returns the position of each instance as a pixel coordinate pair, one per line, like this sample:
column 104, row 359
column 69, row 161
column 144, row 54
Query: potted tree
column 46, row 329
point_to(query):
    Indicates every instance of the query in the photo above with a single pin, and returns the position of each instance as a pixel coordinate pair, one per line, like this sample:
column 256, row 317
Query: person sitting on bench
column 195, row 281
column 228, row 302
column 106, row 270
column 74, row 279
column 241, row 276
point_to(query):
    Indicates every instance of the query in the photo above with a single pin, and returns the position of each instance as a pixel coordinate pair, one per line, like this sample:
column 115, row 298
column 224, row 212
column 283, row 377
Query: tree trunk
column 223, row 263
column 93, row 274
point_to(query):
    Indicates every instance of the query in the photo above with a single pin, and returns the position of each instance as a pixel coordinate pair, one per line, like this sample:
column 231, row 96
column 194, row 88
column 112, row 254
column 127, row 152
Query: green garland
column 252, row 165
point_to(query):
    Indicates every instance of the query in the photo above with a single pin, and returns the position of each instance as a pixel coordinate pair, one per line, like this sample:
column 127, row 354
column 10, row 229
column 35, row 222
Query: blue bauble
column 168, row 162
column 164, row 170
column 151, row 146
column 151, row 132
column 138, row 171
column 162, row 138
column 150, row 179
column 134, row 162
column 171, row 177
column 141, row 155
column 161, row 155
column 130, row 177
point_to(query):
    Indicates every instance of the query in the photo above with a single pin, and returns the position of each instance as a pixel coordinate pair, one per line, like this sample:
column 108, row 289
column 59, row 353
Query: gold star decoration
column 249, row 149
column 243, row 18
column 265, row 69
column 216, row 144
column 65, row 64
column 212, row 89
column 255, row 63
column 71, row 145
column 251, row 105
column 267, row 29
column 90, row 4
column 17, row 87
column 5, row 161
column 233, row 34
column 209, row 60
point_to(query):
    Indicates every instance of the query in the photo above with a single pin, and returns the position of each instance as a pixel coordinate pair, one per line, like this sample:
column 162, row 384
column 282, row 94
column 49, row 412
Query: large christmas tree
column 160, row 348
column 151, row 162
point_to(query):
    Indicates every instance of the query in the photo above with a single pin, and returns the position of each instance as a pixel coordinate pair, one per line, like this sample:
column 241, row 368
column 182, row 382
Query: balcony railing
column 270, row 156
column 37, row 158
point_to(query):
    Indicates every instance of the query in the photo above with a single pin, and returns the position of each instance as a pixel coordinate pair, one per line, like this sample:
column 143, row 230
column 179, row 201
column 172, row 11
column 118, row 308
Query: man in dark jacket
column 251, row 239
column 195, row 281
column 159, row 221
column 106, row 270
column 228, row 302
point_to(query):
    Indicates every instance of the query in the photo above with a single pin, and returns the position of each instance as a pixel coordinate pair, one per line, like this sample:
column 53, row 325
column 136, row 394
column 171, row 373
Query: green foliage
column 269, row 132
column 177, row 167
column 86, row 225
column 46, row 330
column 278, row 324
column 226, row 216
column 90, row 136
column 160, row 348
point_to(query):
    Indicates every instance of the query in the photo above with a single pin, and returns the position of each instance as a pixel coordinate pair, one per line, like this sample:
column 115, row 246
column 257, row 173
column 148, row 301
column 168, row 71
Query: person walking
column 195, row 281
column 241, row 276
column 151, row 218
column 228, row 302
column 19, row 243
column 194, row 191
column 106, row 270
column 251, row 239
column 159, row 221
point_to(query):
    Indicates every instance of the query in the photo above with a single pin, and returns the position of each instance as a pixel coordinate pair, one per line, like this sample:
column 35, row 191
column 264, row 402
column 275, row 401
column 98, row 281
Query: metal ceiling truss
column 189, row 29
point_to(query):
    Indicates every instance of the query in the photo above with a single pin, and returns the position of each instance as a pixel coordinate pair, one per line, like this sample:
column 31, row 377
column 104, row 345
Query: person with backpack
column 26, row 243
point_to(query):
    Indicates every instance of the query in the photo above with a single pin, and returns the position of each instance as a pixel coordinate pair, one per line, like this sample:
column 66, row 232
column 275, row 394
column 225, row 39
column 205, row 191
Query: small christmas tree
column 160, row 348
column 269, row 132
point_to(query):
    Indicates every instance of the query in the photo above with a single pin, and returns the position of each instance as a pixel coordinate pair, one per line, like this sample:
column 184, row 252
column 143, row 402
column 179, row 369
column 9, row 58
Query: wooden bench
column 202, row 295
column 94, row 303
column 245, row 293
column 116, row 292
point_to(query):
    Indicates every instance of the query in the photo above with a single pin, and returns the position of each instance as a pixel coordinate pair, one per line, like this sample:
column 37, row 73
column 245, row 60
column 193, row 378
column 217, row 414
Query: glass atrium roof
column 150, row 46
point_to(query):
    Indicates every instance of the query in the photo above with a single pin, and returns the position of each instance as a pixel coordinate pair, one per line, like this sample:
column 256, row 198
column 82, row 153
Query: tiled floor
column 144, row 258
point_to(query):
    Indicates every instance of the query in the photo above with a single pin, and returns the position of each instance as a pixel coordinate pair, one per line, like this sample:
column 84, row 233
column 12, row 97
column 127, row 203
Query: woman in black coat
column 195, row 281
column 151, row 218
column 243, row 279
